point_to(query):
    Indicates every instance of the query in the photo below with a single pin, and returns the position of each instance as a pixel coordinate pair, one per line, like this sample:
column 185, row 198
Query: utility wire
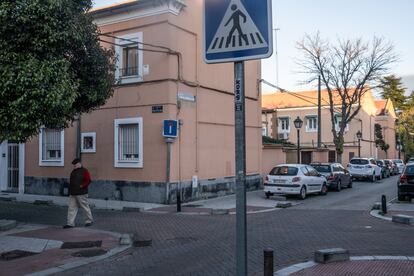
column 298, row 95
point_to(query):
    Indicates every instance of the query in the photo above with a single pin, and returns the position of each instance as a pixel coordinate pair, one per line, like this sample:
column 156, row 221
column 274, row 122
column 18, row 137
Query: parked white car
column 400, row 164
column 294, row 179
column 364, row 168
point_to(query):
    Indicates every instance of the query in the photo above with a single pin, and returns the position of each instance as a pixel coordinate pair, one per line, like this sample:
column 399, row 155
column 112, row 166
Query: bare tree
column 348, row 70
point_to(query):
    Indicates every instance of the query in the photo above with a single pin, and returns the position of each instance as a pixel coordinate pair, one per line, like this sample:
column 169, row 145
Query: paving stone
column 331, row 255
column 6, row 224
column 283, row 204
column 43, row 202
column 220, row 211
column 376, row 206
column 140, row 241
column 131, row 209
column 125, row 239
column 404, row 219
column 7, row 198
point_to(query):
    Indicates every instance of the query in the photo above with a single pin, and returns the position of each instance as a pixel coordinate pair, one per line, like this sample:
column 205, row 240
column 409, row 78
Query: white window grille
column 311, row 123
column 51, row 147
column 283, row 124
column 128, row 143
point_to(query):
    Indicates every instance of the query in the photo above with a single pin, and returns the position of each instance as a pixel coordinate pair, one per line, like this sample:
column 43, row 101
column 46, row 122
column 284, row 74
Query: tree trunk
column 339, row 158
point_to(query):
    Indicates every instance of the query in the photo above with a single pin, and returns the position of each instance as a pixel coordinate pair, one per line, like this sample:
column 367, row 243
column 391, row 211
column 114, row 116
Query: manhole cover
column 83, row 244
column 89, row 253
column 192, row 205
column 15, row 254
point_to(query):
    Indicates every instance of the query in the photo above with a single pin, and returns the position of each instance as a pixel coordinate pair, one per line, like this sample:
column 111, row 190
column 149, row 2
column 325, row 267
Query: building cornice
column 136, row 9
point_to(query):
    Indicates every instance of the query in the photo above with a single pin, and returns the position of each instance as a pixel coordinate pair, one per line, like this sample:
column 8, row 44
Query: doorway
column 11, row 167
column 306, row 157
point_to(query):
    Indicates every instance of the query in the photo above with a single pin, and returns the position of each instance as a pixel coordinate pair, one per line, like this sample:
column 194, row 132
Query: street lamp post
column 298, row 124
column 359, row 136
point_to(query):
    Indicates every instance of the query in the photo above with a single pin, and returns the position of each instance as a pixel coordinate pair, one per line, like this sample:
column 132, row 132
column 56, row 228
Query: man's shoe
column 88, row 224
column 67, row 226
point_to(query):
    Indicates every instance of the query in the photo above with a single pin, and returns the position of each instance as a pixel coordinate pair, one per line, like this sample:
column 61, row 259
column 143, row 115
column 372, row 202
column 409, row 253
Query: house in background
column 279, row 110
column 386, row 118
column 161, row 76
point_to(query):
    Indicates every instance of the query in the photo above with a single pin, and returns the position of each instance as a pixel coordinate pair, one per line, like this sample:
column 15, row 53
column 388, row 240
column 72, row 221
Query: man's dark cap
column 76, row 161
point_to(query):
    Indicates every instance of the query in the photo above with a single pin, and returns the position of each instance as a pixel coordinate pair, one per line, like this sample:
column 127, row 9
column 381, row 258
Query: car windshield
column 409, row 170
column 284, row 170
column 397, row 161
column 359, row 161
column 322, row 168
column 386, row 162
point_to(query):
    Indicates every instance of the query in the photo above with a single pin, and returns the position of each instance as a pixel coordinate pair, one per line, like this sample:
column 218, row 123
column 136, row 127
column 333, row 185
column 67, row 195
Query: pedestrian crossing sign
column 236, row 30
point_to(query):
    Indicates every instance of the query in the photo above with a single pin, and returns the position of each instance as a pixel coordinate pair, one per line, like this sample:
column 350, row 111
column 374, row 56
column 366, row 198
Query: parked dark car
column 336, row 175
column 406, row 183
column 392, row 166
column 385, row 170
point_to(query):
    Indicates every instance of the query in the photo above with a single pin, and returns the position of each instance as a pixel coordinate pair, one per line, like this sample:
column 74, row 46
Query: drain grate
column 89, row 253
column 192, row 205
column 15, row 254
column 83, row 244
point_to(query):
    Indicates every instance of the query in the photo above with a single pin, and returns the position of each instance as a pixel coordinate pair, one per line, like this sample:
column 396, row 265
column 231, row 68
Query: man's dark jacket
column 79, row 181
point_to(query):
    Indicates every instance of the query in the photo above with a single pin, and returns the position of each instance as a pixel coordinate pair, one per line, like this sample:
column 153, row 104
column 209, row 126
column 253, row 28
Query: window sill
column 45, row 163
column 126, row 164
column 130, row 79
column 88, row 151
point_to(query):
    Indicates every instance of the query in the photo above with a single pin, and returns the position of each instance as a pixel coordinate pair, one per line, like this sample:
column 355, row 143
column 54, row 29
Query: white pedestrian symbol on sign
column 237, row 31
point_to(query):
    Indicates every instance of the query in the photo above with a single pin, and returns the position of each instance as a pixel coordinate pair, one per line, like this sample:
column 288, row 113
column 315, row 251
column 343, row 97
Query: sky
column 391, row 20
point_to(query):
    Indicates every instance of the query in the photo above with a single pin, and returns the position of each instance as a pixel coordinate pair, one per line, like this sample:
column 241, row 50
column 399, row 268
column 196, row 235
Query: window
column 88, row 142
column 357, row 161
column 311, row 123
column 129, row 62
column 283, row 125
column 312, row 171
column 284, row 170
column 128, row 143
column 264, row 129
column 331, row 156
column 51, row 147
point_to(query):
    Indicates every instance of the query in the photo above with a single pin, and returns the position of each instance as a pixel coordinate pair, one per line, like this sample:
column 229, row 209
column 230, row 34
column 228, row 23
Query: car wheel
column 302, row 194
column 338, row 185
column 350, row 183
column 268, row 194
column 324, row 190
column 372, row 178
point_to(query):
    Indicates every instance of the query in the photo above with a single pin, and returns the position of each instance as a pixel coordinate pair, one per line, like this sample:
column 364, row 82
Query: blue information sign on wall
column 170, row 128
column 236, row 30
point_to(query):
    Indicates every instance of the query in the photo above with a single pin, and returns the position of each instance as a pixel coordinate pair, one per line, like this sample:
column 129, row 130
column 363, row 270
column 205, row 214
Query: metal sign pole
column 240, row 149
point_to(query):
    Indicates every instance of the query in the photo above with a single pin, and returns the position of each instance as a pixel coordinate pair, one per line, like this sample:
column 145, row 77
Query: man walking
column 78, row 194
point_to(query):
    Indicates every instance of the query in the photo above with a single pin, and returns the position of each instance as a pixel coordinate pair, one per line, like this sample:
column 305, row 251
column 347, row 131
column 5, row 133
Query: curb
column 300, row 266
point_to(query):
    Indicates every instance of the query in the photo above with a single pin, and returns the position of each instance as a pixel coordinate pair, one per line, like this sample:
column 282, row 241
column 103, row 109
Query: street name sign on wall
column 237, row 30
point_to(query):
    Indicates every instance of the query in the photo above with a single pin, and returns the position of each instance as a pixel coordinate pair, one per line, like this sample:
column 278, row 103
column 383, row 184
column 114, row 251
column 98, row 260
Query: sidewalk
column 256, row 203
column 363, row 266
column 95, row 203
column 395, row 208
column 43, row 250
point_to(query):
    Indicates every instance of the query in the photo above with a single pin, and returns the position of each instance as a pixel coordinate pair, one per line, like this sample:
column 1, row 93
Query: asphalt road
column 361, row 197
column 205, row 245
